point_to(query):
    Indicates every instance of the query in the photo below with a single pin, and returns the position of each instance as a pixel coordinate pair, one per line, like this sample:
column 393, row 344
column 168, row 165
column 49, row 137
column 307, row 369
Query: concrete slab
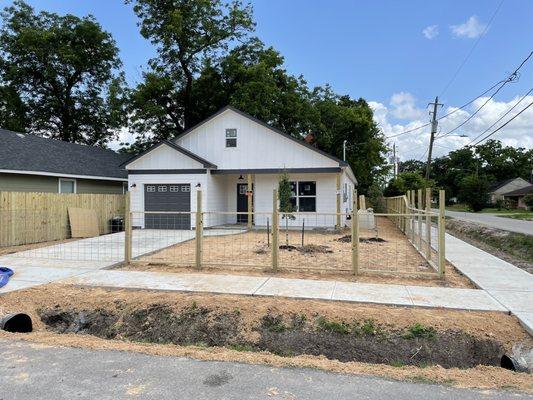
column 462, row 299
column 526, row 320
column 44, row 274
column 372, row 293
column 229, row 284
column 300, row 288
column 514, row 300
column 15, row 284
column 15, row 261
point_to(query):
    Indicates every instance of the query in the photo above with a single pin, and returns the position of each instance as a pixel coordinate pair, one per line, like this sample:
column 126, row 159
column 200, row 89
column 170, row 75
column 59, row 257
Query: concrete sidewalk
column 510, row 286
column 400, row 295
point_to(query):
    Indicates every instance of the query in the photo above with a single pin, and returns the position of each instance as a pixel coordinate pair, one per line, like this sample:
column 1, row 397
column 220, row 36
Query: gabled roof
column 30, row 153
column 176, row 147
column 276, row 130
column 500, row 184
column 520, row 192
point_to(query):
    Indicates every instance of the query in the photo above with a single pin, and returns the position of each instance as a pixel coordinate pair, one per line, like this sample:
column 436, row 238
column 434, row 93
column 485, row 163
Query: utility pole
column 434, row 124
column 394, row 159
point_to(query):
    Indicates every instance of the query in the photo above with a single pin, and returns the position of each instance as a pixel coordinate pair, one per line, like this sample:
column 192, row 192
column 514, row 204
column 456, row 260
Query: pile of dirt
column 287, row 334
column 307, row 249
column 348, row 239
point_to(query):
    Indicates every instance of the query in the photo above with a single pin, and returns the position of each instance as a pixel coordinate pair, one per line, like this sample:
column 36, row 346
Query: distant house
column 30, row 163
column 499, row 189
column 517, row 196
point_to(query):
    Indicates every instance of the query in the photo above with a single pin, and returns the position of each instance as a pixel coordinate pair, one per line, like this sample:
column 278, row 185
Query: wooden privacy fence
column 27, row 217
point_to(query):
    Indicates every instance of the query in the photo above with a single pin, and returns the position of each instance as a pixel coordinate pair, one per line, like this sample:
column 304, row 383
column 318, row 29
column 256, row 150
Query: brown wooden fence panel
column 27, row 217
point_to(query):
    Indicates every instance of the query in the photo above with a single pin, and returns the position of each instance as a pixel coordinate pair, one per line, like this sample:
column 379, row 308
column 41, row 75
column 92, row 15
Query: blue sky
column 376, row 50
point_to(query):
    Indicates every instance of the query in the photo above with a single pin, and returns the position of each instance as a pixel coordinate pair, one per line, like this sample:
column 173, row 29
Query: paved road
column 509, row 224
column 37, row 372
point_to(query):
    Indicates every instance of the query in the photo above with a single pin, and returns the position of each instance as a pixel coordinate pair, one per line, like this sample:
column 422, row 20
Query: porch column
column 338, row 220
column 249, row 195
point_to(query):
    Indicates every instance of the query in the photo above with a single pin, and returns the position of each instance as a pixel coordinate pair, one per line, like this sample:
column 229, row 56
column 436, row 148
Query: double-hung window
column 303, row 196
column 231, row 137
column 67, row 185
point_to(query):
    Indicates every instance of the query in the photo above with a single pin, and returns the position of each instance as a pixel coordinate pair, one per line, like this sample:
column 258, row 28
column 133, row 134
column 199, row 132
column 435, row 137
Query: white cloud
column 431, row 32
column 471, row 29
column 518, row 133
column 403, row 106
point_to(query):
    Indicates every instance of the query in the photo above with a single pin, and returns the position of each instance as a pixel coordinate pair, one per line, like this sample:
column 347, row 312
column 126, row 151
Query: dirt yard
column 439, row 346
column 323, row 255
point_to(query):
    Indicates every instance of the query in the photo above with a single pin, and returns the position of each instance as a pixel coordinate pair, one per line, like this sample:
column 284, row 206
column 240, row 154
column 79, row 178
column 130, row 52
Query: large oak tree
column 59, row 73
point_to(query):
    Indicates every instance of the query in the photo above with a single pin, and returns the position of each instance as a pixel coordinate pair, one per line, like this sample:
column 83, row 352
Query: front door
column 242, row 202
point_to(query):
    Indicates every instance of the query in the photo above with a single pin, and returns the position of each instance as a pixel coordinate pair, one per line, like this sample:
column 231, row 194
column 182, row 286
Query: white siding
column 164, row 157
column 257, row 146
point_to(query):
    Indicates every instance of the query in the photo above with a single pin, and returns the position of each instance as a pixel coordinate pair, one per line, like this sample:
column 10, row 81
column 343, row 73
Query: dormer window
column 231, row 137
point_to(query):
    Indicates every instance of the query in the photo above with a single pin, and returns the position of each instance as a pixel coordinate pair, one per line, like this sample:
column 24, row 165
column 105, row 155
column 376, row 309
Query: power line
column 472, row 49
column 496, row 130
column 448, row 114
column 512, row 77
column 503, row 116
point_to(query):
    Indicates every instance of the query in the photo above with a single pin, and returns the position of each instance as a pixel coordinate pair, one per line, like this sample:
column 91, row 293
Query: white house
column 220, row 156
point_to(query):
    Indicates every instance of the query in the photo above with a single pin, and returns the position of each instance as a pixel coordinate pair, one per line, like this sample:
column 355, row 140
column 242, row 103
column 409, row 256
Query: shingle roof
column 23, row 152
column 520, row 192
column 495, row 186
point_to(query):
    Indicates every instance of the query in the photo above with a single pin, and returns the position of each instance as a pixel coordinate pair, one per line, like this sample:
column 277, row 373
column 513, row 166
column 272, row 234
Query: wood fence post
column 419, row 219
column 428, row 223
column 199, row 229
column 338, row 219
column 275, row 230
column 442, row 233
column 127, row 229
column 250, row 205
column 355, row 235
column 408, row 211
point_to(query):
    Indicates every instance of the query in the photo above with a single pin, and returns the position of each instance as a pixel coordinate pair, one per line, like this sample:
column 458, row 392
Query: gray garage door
column 167, row 197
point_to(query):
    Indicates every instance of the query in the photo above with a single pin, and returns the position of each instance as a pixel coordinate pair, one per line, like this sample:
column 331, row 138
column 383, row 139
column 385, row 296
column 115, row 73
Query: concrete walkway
column 401, row 295
column 52, row 263
column 494, row 221
column 510, row 286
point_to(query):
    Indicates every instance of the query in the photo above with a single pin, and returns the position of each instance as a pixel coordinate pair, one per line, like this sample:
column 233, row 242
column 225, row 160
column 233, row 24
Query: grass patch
column 418, row 330
column 331, row 326
column 241, row 347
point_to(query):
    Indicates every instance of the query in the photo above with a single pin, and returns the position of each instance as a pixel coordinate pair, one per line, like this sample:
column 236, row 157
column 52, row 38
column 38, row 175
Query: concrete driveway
column 494, row 221
column 78, row 257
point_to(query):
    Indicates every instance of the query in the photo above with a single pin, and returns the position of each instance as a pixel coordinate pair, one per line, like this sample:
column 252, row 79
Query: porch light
column 241, row 178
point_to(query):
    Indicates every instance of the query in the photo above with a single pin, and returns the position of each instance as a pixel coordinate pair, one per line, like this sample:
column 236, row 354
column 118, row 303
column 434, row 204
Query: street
column 508, row 224
column 29, row 371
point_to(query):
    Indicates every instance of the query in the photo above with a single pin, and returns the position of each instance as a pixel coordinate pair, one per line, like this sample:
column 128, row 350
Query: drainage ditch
column 283, row 334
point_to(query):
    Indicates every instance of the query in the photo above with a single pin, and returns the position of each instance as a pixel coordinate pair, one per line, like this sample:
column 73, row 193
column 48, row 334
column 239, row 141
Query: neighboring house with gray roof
column 30, row 163
column 518, row 195
column 499, row 189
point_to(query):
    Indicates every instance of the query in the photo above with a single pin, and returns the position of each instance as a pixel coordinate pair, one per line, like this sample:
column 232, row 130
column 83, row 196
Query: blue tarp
column 5, row 274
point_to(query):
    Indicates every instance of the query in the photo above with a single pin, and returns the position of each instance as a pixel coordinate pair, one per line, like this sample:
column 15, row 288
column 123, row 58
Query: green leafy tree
column 406, row 181
column 285, row 205
column 59, row 74
column 528, row 201
column 473, row 191
column 343, row 118
column 186, row 33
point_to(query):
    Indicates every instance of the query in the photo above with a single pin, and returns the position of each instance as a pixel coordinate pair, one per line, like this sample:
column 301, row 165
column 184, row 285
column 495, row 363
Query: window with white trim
column 174, row 188
column 231, row 137
column 150, row 188
column 162, row 188
column 303, row 196
column 67, row 185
